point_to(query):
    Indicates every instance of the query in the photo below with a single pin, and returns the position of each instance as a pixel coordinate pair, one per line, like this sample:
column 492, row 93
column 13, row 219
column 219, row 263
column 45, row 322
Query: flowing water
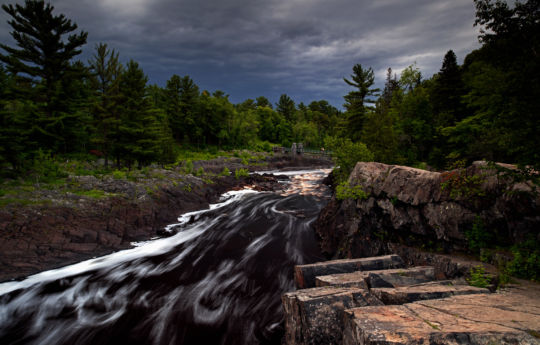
column 217, row 280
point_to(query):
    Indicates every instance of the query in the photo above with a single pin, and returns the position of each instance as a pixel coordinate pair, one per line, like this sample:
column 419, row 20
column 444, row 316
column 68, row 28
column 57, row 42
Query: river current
column 217, row 280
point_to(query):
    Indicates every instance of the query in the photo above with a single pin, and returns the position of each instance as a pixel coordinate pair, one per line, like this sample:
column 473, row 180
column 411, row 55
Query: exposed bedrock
column 427, row 209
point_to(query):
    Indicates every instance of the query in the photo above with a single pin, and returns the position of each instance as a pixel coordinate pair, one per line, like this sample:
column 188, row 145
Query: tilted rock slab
column 304, row 275
column 381, row 278
column 468, row 319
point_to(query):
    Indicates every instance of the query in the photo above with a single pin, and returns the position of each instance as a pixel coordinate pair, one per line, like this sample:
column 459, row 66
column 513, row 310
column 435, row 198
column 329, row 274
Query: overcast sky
column 251, row 48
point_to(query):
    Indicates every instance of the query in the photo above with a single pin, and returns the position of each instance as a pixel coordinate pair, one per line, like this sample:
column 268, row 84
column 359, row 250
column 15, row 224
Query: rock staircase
column 377, row 300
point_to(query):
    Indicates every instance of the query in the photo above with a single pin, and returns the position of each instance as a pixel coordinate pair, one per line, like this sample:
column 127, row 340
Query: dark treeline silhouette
column 487, row 108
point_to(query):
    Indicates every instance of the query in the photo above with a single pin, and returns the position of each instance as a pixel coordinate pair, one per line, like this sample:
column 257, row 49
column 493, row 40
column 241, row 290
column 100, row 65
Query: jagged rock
column 314, row 316
column 381, row 278
column 304, row 275
column 425, row 208
column 408, row 294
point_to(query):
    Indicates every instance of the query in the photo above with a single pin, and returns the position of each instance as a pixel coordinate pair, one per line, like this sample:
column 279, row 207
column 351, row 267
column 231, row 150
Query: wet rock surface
column 436, row 312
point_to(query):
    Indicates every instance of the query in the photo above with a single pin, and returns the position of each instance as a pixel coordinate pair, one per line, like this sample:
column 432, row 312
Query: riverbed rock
column 62, row 227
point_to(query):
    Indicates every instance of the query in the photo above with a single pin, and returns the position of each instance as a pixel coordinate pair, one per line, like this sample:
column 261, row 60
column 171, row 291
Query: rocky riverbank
column 444, row 212
column 89, row 216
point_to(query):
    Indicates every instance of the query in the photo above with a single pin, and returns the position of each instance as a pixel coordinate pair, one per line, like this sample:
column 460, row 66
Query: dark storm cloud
column 267, row 47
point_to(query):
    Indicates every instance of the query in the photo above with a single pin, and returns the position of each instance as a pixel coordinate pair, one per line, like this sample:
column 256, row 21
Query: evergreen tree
column 447, row 92
column 106, row 69
column 263, row 102
column 42, row 60
column 286, row 107
column 363, row 80
column 139, row 129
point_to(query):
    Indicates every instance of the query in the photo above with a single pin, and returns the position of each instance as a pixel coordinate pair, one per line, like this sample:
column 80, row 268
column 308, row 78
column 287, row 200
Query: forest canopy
column 486, row 108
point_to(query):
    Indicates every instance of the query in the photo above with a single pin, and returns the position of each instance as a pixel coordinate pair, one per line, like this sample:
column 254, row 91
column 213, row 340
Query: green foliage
column 355, row 101
column 199, row 172
column 93, row 193
column 225, row 172
column 478, row 237
column 46, row 169
column 119, row 175
column 462, row 185
column 526, row 261
column 238, row 173
column 346, row 154
column 478, row 277
column 345, row 191
column 188, row 167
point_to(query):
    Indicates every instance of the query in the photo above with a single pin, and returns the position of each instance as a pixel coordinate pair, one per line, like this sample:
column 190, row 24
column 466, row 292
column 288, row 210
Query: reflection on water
column 218, row 280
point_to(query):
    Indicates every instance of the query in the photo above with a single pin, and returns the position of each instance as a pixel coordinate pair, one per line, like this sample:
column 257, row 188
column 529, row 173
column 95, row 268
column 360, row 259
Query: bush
column 478, row 277
column 46, row 169
column 119, row 175
column 199, row 172
column 526, row 261
column 188, row 167
column 241, row 173
column 346, row 154
column 225, row 172
column 346, row 191
column 478, row 237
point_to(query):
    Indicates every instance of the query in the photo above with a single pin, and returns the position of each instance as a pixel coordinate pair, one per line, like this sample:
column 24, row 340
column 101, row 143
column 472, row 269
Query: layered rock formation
column 428, row 209
column 404, row 306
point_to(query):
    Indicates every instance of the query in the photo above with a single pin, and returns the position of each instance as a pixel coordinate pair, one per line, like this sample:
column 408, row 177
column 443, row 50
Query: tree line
column 486, row 108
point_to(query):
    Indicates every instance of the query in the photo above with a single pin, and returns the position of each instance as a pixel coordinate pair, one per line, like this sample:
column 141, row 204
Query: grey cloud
column 266, row 47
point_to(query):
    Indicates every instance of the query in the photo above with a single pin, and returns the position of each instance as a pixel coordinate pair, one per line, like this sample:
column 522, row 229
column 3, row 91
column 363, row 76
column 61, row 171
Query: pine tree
column 363, row 80
column 286, row 107
column 447, row 92
column 106, row 70
column 42, row 63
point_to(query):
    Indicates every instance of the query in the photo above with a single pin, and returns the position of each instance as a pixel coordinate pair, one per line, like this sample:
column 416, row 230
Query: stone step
column 315, row 315
column 408, row 294
column 304, row 275
column 466, row 319
column 380, row 278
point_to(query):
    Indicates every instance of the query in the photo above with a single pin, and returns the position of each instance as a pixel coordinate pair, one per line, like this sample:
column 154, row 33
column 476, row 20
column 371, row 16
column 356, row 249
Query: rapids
column 217, row 280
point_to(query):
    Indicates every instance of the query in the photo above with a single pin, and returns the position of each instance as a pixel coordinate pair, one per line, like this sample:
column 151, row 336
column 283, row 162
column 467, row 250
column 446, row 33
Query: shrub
column 225, row 172
column 478, row 237
column 478, row 277
column 241, row 173
column 526, row 261
column 346, row 191
column 199, row 172
column 346, row 154
column 119, row 175
column 188, row 167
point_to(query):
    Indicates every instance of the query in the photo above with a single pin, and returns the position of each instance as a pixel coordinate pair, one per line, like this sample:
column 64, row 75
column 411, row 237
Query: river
column 217, row 279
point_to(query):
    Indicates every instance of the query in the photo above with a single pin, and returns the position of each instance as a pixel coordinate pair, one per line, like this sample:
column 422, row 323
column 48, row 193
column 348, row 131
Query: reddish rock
column 314, row 316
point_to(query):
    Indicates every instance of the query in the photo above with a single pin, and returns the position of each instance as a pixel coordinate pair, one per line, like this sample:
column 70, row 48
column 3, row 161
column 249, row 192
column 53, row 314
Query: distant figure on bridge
column 300, row 149
column 322, row 150
column 293, row 148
